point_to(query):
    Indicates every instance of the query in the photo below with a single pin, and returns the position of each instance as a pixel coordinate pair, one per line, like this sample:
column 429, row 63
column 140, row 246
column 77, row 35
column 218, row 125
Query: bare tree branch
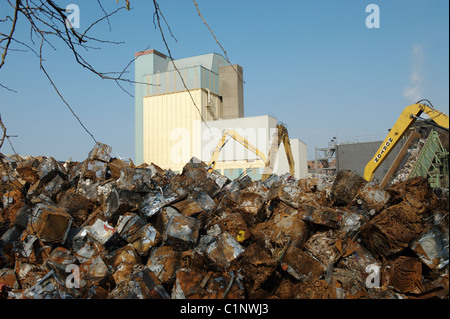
column 48, row 24
column 3, row 127
column 47, row 21
column 11, row 33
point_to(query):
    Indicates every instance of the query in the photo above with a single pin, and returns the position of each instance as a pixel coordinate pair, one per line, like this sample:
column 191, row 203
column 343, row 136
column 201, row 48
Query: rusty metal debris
column 107, row 229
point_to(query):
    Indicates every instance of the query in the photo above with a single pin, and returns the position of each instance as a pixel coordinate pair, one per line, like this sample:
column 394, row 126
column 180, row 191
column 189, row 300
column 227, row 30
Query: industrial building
column 174, row 124
column 354, row 157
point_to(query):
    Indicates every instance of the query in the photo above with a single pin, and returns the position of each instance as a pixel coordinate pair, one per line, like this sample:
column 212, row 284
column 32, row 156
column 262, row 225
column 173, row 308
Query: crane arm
column 216, row 153
column 281, row 135
column 290, row 157
column 239, row 138
column 401, row 126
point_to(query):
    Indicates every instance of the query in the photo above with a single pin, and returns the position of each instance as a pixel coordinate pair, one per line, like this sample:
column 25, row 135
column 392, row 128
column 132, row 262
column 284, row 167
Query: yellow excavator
column 280, row 135
column 409, row 115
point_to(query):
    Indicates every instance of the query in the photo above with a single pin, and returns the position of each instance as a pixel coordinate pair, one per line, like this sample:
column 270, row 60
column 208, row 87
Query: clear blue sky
column 312, row 64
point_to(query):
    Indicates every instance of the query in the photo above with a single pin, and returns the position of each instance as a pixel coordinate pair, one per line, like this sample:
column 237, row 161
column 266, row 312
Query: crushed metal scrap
column 106, row 229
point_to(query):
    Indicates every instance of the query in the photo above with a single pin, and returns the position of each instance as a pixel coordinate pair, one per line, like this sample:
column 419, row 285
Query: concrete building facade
column 173, row 124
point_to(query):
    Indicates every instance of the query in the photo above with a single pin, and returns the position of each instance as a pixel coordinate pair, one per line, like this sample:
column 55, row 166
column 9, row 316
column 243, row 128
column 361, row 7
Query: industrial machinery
column 409, row 115
column 432, row 162
column 281, row 135
column 239, row 138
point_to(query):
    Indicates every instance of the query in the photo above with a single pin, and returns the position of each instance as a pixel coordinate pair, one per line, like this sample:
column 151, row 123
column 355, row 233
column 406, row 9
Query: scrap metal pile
column 413, row 154
column 104, row 228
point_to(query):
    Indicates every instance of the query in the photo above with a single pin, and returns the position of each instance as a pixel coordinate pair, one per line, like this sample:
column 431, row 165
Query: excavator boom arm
column 280, row 136
column 235, row 135
column 401, row 126
column 290, row 158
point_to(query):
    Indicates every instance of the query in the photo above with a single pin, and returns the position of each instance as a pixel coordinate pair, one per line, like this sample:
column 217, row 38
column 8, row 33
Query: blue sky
column 314, row 65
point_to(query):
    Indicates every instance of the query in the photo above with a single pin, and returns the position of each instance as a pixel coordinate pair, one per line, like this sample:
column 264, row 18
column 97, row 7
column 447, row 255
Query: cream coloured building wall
column 299, row 152
column 170, row 129
column 171, row 126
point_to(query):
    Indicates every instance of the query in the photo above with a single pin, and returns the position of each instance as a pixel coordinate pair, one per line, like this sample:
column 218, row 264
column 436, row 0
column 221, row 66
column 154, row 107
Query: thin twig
column 157, row 10
column 67, row 104
column 62, row 98
column 7, row 88
column 107, row 18
column 217, row 41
